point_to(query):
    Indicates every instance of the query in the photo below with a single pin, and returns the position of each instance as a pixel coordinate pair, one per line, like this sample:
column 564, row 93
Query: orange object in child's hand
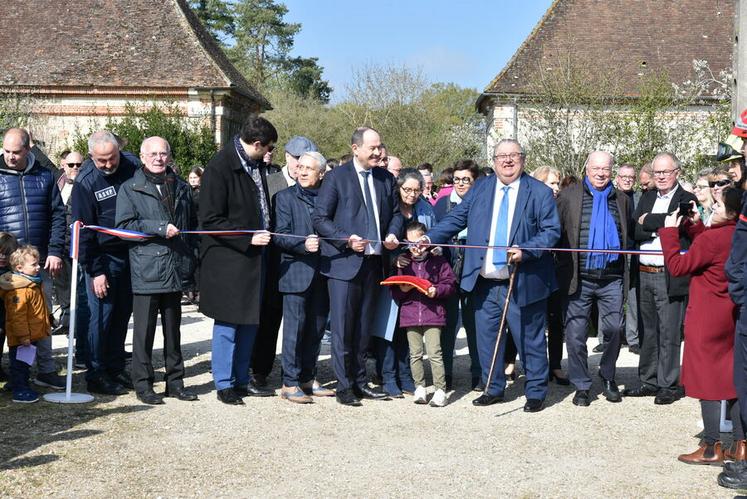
column 418, row 283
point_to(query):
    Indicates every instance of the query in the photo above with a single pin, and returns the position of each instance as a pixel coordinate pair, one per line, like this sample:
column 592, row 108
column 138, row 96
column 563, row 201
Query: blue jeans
column 609, row 298
column 232, row 351
column 107, row 328
column 19, row 372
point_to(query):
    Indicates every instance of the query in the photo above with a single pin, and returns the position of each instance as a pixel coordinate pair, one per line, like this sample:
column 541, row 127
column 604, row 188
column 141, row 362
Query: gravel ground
column 117, row 447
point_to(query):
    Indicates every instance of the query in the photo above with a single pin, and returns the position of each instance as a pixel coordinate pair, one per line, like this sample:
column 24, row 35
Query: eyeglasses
column 631, row 178
column 515, row 156
column 463, row 180
column 158, row 155
column 719, row 183
column 74, row 165
column 409, row 190
column 600, row 169
column 664, row 173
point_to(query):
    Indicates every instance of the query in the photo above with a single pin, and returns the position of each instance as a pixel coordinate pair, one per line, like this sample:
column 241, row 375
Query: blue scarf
column 37, row 279
column 602, row 229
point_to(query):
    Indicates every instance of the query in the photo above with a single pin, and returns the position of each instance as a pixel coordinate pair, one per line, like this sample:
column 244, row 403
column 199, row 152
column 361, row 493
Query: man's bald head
column 16, row 147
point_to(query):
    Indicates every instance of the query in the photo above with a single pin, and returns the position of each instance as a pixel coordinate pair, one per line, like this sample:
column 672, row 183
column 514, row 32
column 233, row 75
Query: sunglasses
column 74, row 165
column 719, row 183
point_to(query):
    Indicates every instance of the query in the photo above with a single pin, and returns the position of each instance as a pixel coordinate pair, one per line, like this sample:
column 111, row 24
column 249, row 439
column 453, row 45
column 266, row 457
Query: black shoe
column 347, row 397
column 123, row 379
column 230, row 397
column 104, row 386
column 558, row 379
column 581, row 398
column 259, row 380
column 366, row 392
column 485, row 400
column 610, row 390
column 641, row 391
column 599, row 348
column 149, row 397
column 665, row 397
column 733, row 479
column 251, row 390
column 180, row 394
column 634, row 349
column 533, row 405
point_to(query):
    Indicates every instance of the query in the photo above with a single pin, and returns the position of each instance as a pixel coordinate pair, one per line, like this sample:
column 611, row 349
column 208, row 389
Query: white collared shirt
column 371, row 249
column 660, row 206
column 489, row 270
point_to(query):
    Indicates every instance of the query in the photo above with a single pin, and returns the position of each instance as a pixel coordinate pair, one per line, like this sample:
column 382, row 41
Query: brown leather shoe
column 737, row 452
column 705, row 455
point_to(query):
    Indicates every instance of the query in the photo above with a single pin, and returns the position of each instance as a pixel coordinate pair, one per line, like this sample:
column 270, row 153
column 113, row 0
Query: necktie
column 500, row 257
column 372, row 233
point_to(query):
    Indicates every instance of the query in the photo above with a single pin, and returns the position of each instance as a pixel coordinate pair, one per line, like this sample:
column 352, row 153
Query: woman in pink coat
column 707, row 365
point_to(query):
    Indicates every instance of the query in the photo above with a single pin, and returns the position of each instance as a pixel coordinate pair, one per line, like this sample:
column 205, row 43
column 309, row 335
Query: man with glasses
column 509, row 208
column 662, row 296
column 263, row 356
column 625, row 181
column 466, row 172
column 594, row 215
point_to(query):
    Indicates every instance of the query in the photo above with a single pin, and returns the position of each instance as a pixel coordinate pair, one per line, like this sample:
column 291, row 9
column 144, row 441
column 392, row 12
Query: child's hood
column 9, row 281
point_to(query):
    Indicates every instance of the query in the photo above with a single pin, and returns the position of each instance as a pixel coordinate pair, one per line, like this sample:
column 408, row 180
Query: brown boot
column 705, row 454
column 739, row 452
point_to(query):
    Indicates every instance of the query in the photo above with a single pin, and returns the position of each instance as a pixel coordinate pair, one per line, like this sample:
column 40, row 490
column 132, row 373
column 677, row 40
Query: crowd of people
column 308, row 246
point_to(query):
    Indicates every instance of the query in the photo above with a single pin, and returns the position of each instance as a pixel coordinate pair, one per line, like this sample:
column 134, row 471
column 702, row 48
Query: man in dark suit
column 263, row 356
column 233, row 195
column 593, row 214
column 305, row 298
column 357, row 208
column 508, row 209
column 662, row 297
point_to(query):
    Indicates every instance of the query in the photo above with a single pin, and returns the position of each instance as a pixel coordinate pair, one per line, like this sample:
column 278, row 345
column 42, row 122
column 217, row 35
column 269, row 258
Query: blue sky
column 465, row 42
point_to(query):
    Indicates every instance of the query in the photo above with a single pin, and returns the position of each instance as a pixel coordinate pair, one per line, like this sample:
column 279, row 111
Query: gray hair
column 508, row 141
column 406, row 174
column 102, row 137
column 142, row 146
column 672, row 158
column 609, row 155
column 321, row 161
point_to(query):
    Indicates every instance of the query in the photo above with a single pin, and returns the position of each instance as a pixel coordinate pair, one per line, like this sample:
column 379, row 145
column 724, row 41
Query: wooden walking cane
column 502, row 326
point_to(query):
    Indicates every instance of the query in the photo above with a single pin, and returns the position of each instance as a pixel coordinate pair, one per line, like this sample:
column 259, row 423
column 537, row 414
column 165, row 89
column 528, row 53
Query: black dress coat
column 231, row 268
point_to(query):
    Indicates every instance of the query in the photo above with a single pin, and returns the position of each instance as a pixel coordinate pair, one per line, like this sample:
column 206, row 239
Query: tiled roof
column 626, row 37
column 113, row 43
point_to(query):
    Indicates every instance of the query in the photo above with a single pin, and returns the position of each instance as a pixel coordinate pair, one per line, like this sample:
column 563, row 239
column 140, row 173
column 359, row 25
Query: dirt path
column 116, row 447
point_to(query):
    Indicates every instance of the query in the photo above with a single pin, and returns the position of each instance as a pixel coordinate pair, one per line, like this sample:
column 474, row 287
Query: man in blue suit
column 358, row 208
column 509, row 208
column 304, row 289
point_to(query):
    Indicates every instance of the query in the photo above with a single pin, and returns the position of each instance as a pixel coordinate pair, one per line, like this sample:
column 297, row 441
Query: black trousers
column 265, row 346
column 145, row 310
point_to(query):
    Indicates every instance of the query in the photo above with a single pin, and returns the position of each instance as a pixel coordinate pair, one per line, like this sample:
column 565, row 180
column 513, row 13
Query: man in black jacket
column 593, row 214
column 157, row 202
column 105, row 262
column 662, row 297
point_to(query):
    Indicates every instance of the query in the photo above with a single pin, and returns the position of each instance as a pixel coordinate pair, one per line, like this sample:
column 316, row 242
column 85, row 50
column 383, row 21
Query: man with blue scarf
column 594, row 216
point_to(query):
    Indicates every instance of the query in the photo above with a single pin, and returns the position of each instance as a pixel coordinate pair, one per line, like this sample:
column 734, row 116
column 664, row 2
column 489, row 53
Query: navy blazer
column 535, row 225
column 341, row 212
column 298, row 267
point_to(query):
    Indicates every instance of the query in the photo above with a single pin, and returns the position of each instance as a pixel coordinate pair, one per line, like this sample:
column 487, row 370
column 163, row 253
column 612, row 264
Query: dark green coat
column 158, row 265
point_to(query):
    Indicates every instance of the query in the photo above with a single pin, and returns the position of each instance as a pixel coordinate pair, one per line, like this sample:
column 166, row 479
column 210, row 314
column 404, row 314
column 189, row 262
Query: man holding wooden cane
column 508, row 209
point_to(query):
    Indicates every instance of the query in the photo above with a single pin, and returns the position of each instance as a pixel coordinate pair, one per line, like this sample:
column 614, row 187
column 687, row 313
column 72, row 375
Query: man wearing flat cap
column 272, row 302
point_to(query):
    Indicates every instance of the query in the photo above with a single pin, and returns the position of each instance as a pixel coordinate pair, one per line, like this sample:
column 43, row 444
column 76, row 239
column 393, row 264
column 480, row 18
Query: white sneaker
column 439, row 399
column 421, row 396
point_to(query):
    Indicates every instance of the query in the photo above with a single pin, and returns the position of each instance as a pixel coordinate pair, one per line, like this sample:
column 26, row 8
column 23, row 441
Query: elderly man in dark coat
column 157, row 202
column 233, row 196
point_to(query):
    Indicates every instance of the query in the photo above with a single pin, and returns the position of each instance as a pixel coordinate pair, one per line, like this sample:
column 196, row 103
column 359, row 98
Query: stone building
column 628, row 38
column 76, row 62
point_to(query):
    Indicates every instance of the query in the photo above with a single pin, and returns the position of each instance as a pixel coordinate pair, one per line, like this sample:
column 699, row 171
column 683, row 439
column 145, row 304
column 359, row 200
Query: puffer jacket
column 415, row 308
column 31, row 207
column 26, row 316
column 158, row 265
